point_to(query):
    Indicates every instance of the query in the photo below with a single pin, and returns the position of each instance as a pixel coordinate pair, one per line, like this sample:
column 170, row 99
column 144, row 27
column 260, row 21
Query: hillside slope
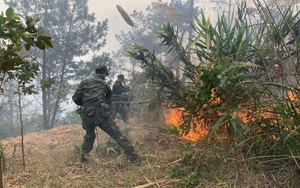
column 52, row 159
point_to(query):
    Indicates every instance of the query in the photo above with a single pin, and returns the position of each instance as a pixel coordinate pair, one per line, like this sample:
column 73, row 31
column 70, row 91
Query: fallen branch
column 151, row 183
column 178, row 160
column 157, row 182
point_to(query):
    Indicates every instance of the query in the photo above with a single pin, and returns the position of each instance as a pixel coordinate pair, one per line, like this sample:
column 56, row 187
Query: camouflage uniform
column 94, row 97
column 119, row 105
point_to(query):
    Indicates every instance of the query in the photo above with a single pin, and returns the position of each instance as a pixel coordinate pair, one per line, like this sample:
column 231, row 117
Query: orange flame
column 175, row 118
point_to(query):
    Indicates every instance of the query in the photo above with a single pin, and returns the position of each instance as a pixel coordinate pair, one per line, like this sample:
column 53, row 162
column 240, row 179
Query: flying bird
column 125, row 16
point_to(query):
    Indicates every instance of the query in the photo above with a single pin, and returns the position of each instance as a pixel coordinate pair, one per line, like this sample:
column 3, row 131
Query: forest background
column 54, row 105
column 234, row 79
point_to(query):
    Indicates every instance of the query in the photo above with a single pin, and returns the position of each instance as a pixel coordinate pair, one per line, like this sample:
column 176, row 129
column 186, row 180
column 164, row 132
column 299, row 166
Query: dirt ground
column 44, row 150
column 64, row 137
column 52, row 160
column 45, row 142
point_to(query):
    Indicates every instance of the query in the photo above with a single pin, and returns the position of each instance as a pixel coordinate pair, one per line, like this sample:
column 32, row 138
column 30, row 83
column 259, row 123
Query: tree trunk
column 229, row 13
column 64, row 62
column 49, row 106
column 44, row 94
column 190, row 18
column 1, row 159
column 58, row 97
column 10, row 99
column 22, row 125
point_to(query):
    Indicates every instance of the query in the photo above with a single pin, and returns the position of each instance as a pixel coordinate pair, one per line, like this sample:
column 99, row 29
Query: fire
column 249, row 115
column 175, row 118
column 292, row 96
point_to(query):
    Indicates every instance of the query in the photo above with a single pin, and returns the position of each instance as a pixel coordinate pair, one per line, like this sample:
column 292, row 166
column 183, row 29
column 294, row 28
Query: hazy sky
column 106, row 9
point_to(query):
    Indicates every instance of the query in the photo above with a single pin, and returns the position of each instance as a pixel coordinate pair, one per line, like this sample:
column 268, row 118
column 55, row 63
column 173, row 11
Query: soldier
column 119, row 104
column 94, row 97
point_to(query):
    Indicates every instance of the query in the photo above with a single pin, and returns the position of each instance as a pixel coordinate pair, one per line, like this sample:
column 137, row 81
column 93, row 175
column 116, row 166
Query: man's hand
column 130, row 110
column 131, row 87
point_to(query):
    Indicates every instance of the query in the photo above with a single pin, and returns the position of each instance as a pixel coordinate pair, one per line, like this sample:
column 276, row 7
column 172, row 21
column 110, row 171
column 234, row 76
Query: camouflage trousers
column 121, row 109
column 107, row 125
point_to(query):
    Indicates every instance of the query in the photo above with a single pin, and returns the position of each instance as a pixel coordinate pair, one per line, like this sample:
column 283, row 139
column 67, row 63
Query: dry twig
column 178, row 160
column 151, row 183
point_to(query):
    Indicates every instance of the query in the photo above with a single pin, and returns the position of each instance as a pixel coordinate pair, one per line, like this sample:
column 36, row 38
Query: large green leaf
column 222, row 120
column 9, row 13
column 2, row 20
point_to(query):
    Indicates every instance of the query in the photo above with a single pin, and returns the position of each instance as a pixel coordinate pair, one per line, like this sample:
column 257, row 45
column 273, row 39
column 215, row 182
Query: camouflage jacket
column 117, row 90
column 92, row 90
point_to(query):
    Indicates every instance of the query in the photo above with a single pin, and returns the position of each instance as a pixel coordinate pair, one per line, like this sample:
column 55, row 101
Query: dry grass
column 52, row 160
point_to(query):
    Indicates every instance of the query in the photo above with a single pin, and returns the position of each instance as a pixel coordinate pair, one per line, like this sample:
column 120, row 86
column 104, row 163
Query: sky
column 106, row 9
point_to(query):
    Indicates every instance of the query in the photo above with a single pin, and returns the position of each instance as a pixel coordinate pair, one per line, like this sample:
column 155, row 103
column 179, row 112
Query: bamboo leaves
column 221, row 40
column 226, row 87
column 204, row 27
column 166, row 32
column 239, row 43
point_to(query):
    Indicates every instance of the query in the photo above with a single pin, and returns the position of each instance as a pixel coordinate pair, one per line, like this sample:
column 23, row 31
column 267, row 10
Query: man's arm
column 118, row 88
column 77, row 96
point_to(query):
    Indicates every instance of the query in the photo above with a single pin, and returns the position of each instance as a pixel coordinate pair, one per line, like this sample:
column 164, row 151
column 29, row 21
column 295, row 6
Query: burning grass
column 52, row 160
column 175, row 118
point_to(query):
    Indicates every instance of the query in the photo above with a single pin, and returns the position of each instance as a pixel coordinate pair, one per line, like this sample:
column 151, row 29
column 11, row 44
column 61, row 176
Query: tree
column 18, row 35
column 86, row 69
column 16, row 38
column 75, row 33
column 177, row 12
column 220, row 5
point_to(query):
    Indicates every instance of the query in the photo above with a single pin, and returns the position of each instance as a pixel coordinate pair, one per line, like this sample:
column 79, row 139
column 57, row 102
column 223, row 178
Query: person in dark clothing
column 93, row 95
column 119, row 104
column 128, row 98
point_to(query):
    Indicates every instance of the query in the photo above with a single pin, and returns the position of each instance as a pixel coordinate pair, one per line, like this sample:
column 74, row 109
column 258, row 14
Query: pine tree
column 75, row 32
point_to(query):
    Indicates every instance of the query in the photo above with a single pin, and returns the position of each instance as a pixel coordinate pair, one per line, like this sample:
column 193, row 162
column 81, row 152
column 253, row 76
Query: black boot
column 83, row 158
column 135, row 159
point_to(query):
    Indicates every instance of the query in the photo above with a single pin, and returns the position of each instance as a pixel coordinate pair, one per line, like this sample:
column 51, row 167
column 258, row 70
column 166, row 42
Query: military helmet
column 121, row 76
column 101, row 69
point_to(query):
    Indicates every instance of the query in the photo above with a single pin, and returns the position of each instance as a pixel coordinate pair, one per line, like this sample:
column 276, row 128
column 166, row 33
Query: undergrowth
column 168, row 161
